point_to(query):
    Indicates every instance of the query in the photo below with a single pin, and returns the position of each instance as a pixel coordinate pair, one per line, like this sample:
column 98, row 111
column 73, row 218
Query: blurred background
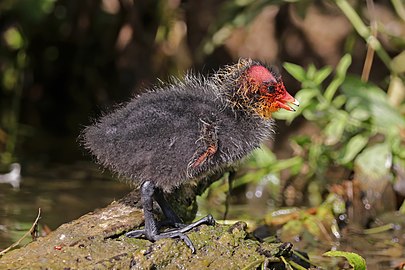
column 63, row 63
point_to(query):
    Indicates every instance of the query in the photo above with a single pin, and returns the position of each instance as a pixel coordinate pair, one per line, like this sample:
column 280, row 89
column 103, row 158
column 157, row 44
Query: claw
column 210, row 220
column 187, row 241
column 152, row 226
column 179, row 232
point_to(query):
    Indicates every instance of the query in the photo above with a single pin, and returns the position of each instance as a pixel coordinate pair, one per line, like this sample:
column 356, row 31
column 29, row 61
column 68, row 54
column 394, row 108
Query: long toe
column 176, row 234
column 208, row 220
column 169, row 223
column 135, row 234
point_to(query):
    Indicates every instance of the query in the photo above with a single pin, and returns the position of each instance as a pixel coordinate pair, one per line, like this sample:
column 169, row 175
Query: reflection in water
column 13, row 177
column 63, row 193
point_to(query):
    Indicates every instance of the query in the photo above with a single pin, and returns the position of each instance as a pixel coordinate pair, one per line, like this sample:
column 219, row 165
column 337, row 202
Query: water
column 66, row 192
column 63, row 193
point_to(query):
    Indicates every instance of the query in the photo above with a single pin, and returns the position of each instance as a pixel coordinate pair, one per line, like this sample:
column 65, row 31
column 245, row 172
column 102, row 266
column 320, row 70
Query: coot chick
column 185, row 131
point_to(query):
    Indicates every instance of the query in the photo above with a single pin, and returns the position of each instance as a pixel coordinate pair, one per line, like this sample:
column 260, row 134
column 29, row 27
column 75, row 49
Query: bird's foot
column 172, row 224
column 179, row 232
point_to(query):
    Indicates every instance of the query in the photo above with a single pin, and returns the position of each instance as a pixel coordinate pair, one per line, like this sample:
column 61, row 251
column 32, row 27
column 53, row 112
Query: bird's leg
column 151, row 226
column 151, row 230
column 172, row 219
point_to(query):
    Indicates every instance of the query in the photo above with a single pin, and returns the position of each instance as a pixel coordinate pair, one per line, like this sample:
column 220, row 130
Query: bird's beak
column 285, row 102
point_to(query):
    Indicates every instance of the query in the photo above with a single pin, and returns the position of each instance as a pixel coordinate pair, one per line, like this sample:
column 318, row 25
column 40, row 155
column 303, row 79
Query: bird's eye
column 271, row 89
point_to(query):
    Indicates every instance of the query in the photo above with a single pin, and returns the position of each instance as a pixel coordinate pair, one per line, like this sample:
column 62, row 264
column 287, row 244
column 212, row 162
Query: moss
column 96, row 241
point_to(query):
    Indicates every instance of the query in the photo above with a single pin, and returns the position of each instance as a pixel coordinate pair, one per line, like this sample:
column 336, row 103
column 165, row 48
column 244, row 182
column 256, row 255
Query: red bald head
column 264, row 83
column 260, row 74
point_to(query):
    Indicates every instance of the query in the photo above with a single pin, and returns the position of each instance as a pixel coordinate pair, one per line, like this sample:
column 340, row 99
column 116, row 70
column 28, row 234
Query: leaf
column 339, row 101
column 398, row 63
column 343, row 65
column 341, row 70
column 353, row 147
column 355, row 260
column 311, row 70
column 263, row 157
column 335, row 128
column 312, row 113
column 360, row 114
column 372, row 161
column 296, row 71
column 321, row 75
column 396, row 90
column 371, row 98
column 283, row 164
column 304, row 96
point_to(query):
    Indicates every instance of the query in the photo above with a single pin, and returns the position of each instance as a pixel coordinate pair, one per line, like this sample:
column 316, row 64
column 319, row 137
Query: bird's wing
column 209, row 140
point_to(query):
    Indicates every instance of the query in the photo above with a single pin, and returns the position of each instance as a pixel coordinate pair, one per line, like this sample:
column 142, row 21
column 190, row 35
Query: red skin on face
column 188, row 131
column 272, row 100
column 261, row 74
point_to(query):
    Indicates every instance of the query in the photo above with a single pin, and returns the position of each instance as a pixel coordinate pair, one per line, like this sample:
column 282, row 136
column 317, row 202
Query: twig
column 31, row 231
column 231, row 177
column 368, row 62
column 380, row 229
column 364, row 31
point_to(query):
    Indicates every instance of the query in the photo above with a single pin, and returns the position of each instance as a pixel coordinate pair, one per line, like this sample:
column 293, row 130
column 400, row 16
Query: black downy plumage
column 185, row 131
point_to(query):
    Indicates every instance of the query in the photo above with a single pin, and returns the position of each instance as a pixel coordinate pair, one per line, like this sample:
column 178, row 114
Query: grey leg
column 172, row 219
column 151, row 230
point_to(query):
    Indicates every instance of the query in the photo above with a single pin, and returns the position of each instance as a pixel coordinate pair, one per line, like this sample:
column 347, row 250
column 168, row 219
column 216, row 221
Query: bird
column 187, row 129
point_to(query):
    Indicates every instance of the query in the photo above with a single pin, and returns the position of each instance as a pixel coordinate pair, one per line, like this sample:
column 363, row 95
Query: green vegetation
column 356, row 261
column 358, row 125
column 62, row 61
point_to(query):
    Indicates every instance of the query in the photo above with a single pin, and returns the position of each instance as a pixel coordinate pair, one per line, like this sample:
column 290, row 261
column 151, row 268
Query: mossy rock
column 97, row 241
